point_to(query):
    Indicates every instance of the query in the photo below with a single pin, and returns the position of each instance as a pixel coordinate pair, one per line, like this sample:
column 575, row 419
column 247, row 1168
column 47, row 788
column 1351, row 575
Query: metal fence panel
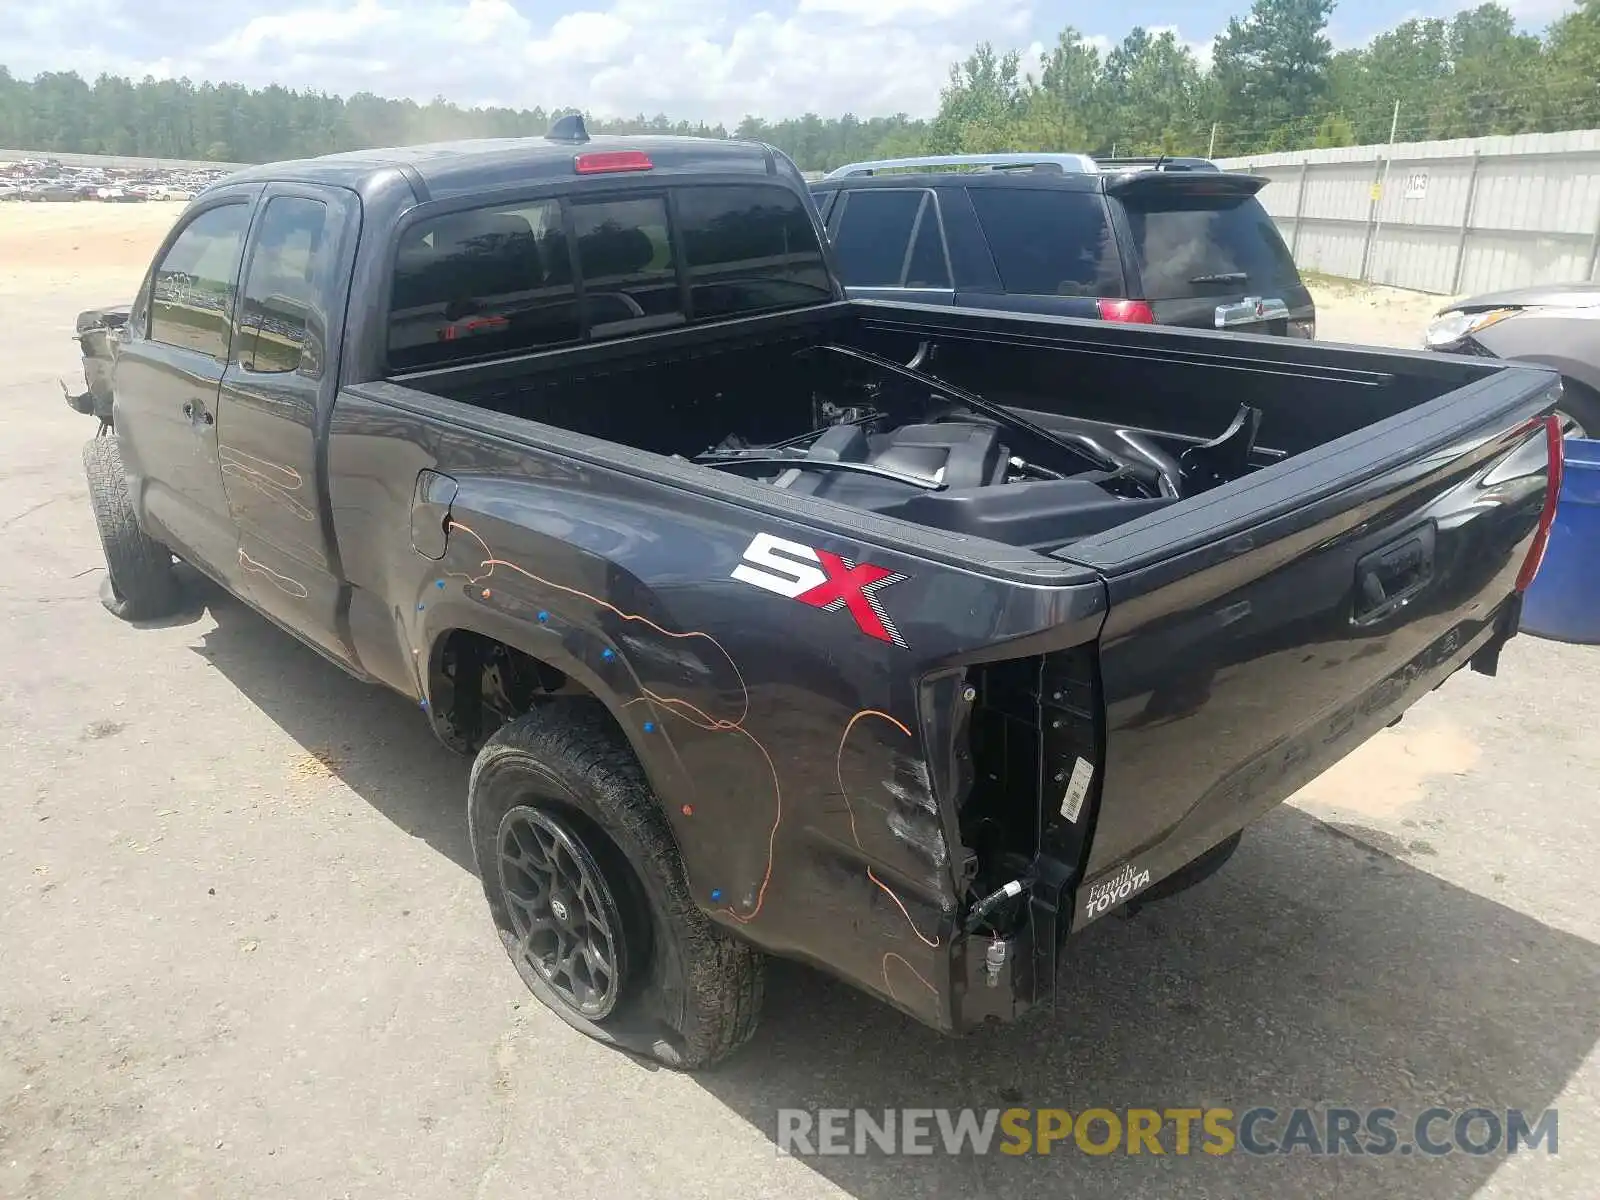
column 1450, row 217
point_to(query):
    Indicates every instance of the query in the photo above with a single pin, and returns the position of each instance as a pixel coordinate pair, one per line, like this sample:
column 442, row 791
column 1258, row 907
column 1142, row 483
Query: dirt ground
column 243, row 953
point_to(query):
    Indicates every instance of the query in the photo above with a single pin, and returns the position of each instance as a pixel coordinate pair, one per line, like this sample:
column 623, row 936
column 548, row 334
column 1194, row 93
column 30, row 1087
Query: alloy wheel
column 568, row 927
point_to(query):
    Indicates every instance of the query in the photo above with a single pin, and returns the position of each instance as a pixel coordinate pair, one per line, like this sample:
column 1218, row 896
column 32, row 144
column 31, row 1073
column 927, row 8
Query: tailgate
column 1260, row 632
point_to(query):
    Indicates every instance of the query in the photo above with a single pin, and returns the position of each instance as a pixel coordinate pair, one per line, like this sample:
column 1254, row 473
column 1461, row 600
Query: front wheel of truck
column 589, row 895
column 140, row 582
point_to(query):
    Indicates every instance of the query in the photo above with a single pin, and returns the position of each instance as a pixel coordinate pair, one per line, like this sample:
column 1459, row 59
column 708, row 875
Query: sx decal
column 823, row 580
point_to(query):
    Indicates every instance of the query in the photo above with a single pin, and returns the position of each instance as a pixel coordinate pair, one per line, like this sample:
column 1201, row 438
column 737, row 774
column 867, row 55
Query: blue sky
column 699, row 59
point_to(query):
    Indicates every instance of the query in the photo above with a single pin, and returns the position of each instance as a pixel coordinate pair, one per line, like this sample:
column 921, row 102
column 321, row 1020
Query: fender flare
column 576, row 648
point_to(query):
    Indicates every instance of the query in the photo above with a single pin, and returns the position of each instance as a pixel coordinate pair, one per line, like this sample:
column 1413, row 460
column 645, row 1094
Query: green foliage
column 1334, row 131
column 1275, row 84
column 1272, row 64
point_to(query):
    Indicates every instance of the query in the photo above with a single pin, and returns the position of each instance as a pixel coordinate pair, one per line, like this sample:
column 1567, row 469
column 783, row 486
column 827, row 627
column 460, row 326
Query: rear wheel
column 589, row 895
column 140, row 582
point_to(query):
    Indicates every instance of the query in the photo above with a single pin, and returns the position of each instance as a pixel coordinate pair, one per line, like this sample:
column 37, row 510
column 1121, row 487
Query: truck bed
column 1137, row 401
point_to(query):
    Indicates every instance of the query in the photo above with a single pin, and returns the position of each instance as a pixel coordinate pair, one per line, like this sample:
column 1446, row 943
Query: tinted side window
column 191, row 303
column 749, row 249
column 927, row 266
column 873, row 232
column 630, row 276
column 1049, row 242
column 491, row 280
column 281, row 326
column 1206, row 246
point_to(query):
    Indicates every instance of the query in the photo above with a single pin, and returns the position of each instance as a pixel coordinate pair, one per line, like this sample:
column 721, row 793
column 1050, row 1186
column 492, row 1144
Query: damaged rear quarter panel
column 782, row 733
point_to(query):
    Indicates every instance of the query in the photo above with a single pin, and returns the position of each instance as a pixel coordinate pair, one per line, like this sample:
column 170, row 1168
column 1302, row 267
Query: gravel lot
column 243, row 953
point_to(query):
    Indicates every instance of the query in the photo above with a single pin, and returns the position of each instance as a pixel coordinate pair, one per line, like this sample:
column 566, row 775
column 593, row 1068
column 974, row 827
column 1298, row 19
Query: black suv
column 1169, row 241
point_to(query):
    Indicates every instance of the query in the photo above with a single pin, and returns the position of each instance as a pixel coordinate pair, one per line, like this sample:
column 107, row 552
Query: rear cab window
column 539, row 274
column 1192, row 247
column 1049, row 241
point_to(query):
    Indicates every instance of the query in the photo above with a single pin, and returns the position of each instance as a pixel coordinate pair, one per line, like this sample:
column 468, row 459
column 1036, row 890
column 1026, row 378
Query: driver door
column 167, row 379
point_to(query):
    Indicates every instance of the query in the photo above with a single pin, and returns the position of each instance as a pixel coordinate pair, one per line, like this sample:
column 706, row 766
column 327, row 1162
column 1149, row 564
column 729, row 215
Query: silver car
column 1556, row 326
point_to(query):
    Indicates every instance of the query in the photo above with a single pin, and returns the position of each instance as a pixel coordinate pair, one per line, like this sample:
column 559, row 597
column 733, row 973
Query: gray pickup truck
column 902, row 640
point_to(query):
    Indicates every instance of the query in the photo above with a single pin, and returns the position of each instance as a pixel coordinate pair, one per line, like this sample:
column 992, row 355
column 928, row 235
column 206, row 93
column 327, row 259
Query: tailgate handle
column 1389, row 577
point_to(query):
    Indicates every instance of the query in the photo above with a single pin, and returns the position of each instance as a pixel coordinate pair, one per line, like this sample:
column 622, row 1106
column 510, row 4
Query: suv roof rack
column 1076, row 164
column 1164, row 162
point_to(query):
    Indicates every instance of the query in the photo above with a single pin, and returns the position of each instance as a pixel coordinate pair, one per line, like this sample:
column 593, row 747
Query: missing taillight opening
column 1547, row 515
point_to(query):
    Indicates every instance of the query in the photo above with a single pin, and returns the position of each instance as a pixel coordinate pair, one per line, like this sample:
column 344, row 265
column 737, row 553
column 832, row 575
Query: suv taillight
column 1132, row 312
column 1547, row 515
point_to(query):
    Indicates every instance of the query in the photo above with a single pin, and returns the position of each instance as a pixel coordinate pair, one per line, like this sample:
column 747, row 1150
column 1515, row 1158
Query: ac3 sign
column 823, row 580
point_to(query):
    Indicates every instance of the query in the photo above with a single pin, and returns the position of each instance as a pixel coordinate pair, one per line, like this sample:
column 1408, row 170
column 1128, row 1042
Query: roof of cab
column 485, row 164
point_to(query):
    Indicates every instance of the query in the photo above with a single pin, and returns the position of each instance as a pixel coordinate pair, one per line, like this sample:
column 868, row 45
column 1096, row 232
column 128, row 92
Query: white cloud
column 892, row 12
column 1538, row 13
column 714, row 60
column 580, row 37
column 696, row 59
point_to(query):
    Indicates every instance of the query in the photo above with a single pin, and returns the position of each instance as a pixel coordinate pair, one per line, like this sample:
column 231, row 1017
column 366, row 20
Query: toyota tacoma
column 903, row 640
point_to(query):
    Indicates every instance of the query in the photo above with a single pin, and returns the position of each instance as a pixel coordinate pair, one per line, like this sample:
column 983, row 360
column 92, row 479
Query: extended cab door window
column 281, row 325
column 192, row 292
column 890, row 238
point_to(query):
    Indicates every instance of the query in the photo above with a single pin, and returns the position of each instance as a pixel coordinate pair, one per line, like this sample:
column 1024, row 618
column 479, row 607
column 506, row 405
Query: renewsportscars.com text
column 1261, row 1131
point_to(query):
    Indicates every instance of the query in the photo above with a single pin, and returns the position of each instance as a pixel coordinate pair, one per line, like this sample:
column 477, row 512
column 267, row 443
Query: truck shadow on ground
column 372, row 739
column 1314, row 971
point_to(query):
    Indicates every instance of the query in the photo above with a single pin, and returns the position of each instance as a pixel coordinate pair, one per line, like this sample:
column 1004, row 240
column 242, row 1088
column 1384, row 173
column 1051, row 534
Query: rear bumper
column 1022, row 975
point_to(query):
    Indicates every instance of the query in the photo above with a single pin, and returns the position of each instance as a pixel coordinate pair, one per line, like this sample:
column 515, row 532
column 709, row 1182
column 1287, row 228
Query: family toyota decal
column 1124, row 885
column 823, row 580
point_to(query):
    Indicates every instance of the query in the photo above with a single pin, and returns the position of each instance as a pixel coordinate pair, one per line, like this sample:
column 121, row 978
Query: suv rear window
column 502, row 280
column 1191, row 247
column 1049, row 242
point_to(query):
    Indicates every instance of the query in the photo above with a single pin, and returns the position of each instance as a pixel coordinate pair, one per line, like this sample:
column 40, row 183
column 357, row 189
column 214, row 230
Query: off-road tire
column 693, row 993
column 140, row 583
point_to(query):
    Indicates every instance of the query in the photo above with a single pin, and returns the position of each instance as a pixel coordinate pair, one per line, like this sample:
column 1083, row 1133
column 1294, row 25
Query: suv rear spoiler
column 1165, row 162
column 1199, row 183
